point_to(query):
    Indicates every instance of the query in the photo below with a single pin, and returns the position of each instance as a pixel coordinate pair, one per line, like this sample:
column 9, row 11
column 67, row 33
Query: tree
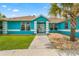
column 54, row 10
column 68, row 9
column 2, row 16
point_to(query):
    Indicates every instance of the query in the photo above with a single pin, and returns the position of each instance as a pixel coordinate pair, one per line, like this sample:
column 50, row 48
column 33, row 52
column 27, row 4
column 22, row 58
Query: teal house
column 34, row 25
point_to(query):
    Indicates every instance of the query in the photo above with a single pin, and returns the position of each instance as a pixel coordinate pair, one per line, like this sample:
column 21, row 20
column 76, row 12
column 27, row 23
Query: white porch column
column 4, row 27
column 47, row 27
column 35, row 27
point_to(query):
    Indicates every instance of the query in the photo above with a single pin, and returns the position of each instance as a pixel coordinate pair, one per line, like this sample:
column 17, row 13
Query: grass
column 15, row 42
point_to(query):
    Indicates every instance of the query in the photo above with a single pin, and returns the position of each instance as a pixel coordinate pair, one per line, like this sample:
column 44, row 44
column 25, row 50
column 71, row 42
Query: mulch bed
column 63, row 42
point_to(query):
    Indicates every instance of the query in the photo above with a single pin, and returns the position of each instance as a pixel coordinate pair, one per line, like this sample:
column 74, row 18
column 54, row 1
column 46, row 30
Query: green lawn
column 15, row 42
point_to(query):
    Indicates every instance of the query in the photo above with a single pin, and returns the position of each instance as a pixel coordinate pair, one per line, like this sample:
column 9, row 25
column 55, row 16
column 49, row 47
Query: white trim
column 35, row 27
column 17, row 30
column 4, row 27
column 32, row 30
column 47, row 27
column 67, row 30
column 63, row 29
column 13, row 30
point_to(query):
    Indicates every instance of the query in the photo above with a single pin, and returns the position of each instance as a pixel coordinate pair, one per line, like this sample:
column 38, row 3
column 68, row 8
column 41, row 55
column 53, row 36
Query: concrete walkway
column 39, row 52
column 29, row 52
column 40, row 42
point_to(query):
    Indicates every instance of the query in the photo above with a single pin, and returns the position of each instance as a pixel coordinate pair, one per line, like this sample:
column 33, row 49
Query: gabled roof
column 30, row 18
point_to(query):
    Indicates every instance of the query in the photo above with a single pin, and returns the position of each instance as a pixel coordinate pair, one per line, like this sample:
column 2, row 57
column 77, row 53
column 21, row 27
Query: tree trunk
column 73, row 27
column 72, row 35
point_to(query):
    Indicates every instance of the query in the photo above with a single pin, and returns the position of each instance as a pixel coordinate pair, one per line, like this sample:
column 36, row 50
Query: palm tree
column 65, row 7
column 68, row 9
column 54, row 10
column 73, row 12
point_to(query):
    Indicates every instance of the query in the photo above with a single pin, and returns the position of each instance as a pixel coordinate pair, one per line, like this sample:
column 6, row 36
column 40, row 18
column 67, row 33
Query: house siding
column 32, row 25
column 14, row 27
column 41, row 18
column 61, row 25
column 77, row 27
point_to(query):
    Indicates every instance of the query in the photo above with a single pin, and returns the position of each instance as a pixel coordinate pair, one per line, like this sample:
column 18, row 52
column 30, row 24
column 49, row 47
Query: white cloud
column 34, row 14
column 15, row 10
column 13, row 15
column 8, row 9
column 4, row 6
column 45, row 7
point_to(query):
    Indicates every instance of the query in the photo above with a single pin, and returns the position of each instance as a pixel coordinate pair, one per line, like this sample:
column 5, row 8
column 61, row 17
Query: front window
column 53, row 27
column 25, row 26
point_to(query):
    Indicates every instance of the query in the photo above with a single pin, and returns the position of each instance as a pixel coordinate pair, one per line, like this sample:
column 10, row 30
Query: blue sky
column 24, row 9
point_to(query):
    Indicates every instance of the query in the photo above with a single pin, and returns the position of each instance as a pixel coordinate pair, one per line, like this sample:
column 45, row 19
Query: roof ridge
column 24, row 16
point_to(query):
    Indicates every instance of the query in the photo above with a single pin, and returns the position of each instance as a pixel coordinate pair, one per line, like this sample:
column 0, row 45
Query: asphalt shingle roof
column 29, row 18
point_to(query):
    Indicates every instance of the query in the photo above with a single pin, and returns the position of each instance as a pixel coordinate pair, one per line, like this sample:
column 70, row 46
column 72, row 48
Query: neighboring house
column 32, row 25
